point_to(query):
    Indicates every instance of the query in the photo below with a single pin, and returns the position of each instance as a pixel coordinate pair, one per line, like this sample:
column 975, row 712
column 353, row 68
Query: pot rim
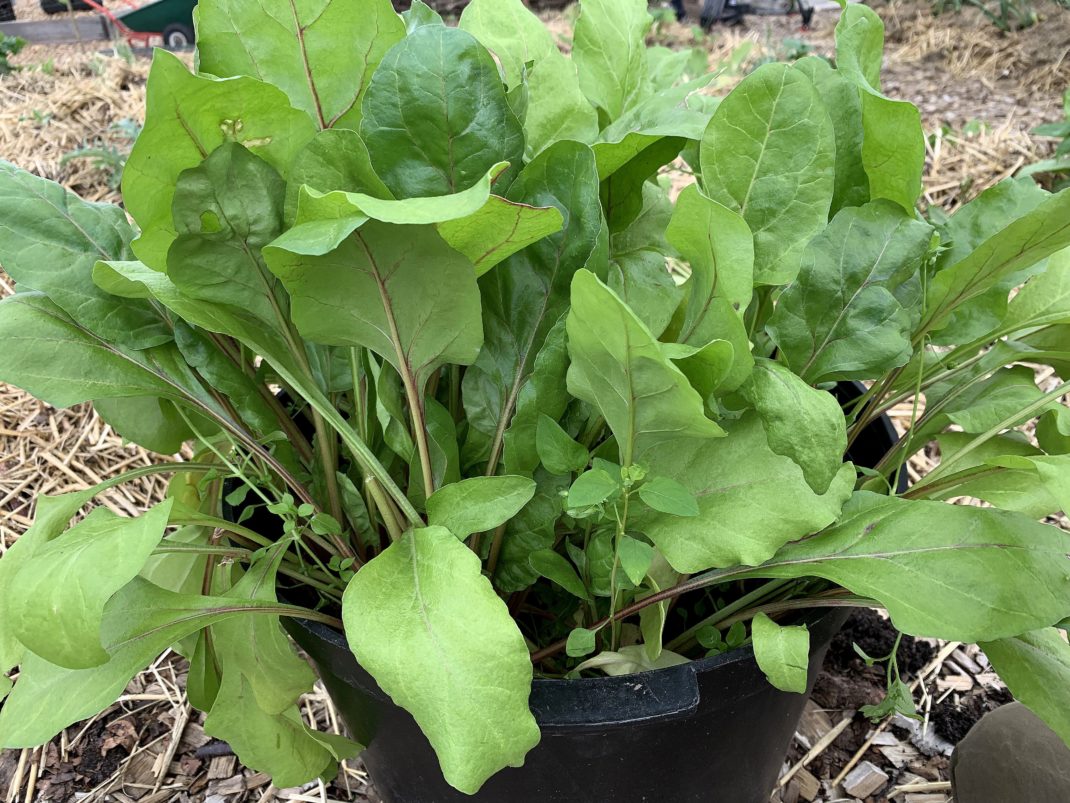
column 810, row 617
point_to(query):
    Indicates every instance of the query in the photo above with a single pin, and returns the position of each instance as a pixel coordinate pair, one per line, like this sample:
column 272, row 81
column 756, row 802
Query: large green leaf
column 844, row 105
column 637, row 263
column 187, row 117
column 557, row 108
column 976, row 403
column 991, row 211
column 51, row 518
column 982, row 264
column 1036, row 668
column 498, row 230
column 321, row 54
column 479, row 503
column 59, row 362
column 148, row 421
column 226, row 210
column 619, row 367
column 609, row 50
column 782, row 653
column 893, row 145
column 140, row 622
column 325, row 219
column 770, row 154
column 751, row 500
column 436, row 118
column 278, row 743
column 718, row 245
column 246, row 396
column 841, row 318
column 50, row 240
column 429, row 627
column 397, row 290
column 525, row 296
column 334, row 159
column 256, row 646
column 1045, row 299
column 261, row 679
column 57, row 603
column 1013, row 474
column 544, row 394
column 509, row 30
column 955, row 572
column 801, row 422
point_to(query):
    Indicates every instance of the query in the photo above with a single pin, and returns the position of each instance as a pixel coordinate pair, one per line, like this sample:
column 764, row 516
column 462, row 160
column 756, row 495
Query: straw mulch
column 150, row 747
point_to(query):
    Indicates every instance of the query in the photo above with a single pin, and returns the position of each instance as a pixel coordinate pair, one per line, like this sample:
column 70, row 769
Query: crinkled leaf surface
column 619, row 367
column 751, row 500
column 187, row 117
column 226, row 210
column 801, row 422
column 782, row 653
column 844, row 105
column 841, row 318
column 770, row 154
column 50, row 240
column 478, row 504
column 321, row 54
column 436, row 118
column 429, row 627
column 58, row 600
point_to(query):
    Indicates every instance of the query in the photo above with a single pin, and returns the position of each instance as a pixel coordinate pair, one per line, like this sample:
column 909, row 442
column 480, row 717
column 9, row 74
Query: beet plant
column 403, row 289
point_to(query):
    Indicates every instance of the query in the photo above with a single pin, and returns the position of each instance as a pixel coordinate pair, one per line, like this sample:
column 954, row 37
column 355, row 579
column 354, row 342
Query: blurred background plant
column 1007, row 15
column 1057, row 168
column 9, row 46
column 109, row 156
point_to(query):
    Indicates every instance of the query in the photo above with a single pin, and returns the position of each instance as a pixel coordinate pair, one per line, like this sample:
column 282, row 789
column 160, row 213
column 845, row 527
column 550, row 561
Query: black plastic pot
column 712, row 730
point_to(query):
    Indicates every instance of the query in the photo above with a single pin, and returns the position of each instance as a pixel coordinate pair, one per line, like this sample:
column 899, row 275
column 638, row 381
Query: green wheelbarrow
column 169, row 20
